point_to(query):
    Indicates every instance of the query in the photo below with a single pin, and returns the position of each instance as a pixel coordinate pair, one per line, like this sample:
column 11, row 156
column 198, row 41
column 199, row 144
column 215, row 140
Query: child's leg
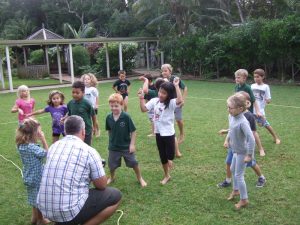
column 139, row 176
column 177, row 151
column 112, row 176
column 274, row 135
column 167, row 176
column 239, row 179
column 181, row 131
column 228, row 172
column 39, row 217
column 258, row 143
column 125, row 103
column 256, row 170
column 235, row 188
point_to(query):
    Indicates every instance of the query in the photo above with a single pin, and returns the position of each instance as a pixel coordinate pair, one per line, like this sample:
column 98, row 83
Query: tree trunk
column 238, row 4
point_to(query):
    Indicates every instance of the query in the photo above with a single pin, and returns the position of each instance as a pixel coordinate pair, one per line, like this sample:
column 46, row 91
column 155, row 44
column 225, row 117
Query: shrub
column 129, row 51
column 81, row 58
column 37, row 57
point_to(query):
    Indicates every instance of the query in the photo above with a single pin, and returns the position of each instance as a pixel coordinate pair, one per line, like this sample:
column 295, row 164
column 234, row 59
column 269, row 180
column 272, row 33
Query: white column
column 107, row 61
column 120, row 56
column 71, row 63
column 9, row 69
column 59, row 64
column 162, row 60
column 1, row 73
column 147, row 54
column 47, row 60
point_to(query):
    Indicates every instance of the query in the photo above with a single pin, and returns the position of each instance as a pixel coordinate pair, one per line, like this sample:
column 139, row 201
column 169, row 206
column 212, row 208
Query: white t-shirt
column 163, row 118
column 261, row 94
column 91, row 94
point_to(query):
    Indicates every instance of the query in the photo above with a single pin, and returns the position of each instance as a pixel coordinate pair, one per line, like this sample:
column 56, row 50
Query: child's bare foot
column 241, row 204
column 181, row 138
column 42, row 222
column 233, row 195
column 178, row 154
column 151, row 135
column 142, row 182
column 277, row 141
column 262, row 152
column 165, row 180
column 110, row 180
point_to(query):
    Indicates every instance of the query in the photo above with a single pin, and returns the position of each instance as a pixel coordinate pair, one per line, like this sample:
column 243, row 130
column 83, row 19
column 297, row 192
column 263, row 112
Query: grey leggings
column 238, row 171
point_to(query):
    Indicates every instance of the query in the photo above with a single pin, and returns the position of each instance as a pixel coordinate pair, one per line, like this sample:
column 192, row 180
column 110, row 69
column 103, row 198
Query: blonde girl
column 27, row 135
column 241, row 140
column 24, row 104
column 58, row 110
column 91, row 92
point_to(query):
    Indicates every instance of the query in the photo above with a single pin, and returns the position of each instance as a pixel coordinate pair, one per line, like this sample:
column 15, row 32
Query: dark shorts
column 124, row 95
column 97, row 201
column 57, row 135
column 114, row 159
column 166, row 147
column 88, row 139
column 96, row 111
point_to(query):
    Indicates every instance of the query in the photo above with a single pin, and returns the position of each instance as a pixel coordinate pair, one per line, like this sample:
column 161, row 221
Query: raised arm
column 142, row 101
column 178, row 91
column 145, row 85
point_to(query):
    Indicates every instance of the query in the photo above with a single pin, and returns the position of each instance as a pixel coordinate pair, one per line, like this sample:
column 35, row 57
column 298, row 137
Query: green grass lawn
column 192, row 196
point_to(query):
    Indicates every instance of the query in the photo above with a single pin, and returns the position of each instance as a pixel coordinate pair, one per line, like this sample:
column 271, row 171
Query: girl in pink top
column 24, row 104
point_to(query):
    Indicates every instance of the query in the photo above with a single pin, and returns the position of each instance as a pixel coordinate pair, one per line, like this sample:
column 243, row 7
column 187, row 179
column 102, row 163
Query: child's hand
column 141, row 93
column 247, row 159
column 142, row 78
column 28, row 115
column 131, row 148
column 226, row 144
column 222, row 131
column 176, row 81
column 21, row 112
column 41, row 134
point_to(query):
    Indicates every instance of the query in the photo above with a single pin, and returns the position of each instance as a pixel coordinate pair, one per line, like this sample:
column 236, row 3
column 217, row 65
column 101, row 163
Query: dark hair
column 171, row 91
column 122, row 72
column 149, row 77
column 79, row 84
column 55, row 92
column 260, row 72
column 159, row 82
column 74, row 124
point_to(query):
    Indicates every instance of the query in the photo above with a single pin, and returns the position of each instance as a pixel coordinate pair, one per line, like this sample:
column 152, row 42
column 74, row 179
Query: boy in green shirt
column 81, row 107
column 122, row 135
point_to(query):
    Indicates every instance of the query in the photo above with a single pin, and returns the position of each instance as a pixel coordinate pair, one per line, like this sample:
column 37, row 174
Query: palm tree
column 84, row 31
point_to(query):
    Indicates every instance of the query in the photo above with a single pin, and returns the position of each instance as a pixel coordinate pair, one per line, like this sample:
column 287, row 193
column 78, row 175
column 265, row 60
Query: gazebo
column 69, row 42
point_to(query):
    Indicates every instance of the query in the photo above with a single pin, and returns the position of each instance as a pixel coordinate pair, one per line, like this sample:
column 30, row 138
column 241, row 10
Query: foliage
column 80, row 58
column 84, row 31
column 37, row 57
column 129, row 51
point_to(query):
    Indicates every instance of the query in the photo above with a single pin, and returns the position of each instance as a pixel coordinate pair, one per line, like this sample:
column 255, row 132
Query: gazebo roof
column 44, row 34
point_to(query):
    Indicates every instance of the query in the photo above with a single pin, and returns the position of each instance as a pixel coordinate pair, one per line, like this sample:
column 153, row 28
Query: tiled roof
column 44, row 34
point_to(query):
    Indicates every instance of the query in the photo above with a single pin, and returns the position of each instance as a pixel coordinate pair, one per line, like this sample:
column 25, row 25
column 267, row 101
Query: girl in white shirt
column 164, row 106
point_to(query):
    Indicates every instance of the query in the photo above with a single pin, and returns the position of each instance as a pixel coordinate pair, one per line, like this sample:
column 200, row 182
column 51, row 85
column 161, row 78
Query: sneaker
column 224, row 184
column 261, row 182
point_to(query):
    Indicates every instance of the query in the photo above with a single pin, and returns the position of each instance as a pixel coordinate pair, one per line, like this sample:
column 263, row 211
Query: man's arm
column 100, row 183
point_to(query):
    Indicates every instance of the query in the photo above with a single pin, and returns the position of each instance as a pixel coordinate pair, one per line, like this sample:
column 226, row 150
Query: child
column 24, row 104
column 164, row 107
column 58, row 110
column 240, row 80
column 250, row 117
column 263, row 96
column 122, row 135
column 32, row 155
column 149, row 85
column 81, row 107
column 91, row 93
column 242, row 142
column 122, row 86
column 166, row 71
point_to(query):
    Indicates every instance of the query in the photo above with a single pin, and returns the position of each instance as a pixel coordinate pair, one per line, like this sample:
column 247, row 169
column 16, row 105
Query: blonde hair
column 23, row 88
column 116, row 98
column 27, row 132
column 167, row 66
column 238, row 100
column 55, row 92
column 241, row 72
column 93, row 78
column 245, row 94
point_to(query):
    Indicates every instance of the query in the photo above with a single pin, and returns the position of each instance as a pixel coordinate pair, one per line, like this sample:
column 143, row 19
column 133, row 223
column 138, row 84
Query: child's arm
column 36, row 112
column 42, row 138
column 223, row 131
column 145, row 85
column 257, row 110
column 250, row 141
column 97, row 103
column 115, row 88
column 95, row 124
column 132, row 142
column 142, row 101
column 178, row 91
column 16, row 108
column 226, row 142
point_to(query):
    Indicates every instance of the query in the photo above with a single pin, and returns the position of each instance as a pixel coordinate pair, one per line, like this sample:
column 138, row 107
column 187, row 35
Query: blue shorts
column 230, row 156
column 261, row 121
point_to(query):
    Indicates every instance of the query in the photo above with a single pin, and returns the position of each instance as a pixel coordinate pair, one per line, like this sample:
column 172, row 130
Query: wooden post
column 1, row 73
column 120, row 56
column 147, row 54
column 25, row 56
column 59, row 63
column 71, row 63
column 47, row 60
column 107, row 61
column 9, row 69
